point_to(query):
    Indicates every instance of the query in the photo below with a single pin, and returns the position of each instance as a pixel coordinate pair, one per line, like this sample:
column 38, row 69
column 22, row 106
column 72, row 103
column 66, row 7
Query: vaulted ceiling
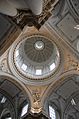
column 63, row 19
column 60, row 17
column 65, row 22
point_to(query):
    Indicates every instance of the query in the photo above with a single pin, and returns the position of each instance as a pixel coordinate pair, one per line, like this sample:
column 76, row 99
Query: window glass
column 24, row 110
column 8, row 118
column 38, row 72
column 52, row 66
column 24, row 67
column 3, row 100
column 17, row 53
column 52, row 112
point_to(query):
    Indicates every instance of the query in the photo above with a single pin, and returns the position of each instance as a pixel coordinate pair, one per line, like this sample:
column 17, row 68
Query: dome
column 36, row 56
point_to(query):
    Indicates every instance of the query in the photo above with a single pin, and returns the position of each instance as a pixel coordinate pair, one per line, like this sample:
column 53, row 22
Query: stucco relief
column 71, row 63
column 36, row 104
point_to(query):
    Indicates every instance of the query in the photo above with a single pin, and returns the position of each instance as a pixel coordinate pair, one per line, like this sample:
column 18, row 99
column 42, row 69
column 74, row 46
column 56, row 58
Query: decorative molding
column 36, row 106
column 24, row 78
column 3, row 65
column 74, row 8
column 71, row 63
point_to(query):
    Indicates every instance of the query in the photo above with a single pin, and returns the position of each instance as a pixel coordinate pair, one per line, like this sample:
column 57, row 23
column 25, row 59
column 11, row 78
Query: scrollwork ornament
column 36, row 100
column 71, row 64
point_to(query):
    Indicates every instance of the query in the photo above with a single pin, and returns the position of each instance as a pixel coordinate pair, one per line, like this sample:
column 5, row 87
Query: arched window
column 8, row 118
column 24, row 110
column 52, row 113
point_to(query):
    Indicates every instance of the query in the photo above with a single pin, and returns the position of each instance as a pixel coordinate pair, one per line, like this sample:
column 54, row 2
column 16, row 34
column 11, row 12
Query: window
column 73, row 102
column 52, row 112
column 24, row 67
column 52, row 66
column 3, row 100
column 17, row 53
column 24, row 110
column 38, row 72
column 8, row 118
column 76, row 27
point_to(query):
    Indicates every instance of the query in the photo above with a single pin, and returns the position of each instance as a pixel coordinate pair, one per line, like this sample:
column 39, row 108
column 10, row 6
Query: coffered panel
column 66, row 25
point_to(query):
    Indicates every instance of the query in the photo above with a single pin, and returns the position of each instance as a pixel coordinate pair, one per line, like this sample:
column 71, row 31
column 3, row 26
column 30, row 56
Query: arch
column 62, row 78
column 10, row 107
column 17, row 83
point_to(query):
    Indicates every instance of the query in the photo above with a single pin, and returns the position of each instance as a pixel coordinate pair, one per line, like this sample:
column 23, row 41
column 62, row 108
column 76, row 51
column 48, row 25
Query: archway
column 62, row 97
column 14, row 97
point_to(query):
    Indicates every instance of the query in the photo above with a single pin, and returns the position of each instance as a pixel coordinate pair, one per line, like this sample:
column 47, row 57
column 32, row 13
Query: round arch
column 17, row 83
column 53, row 86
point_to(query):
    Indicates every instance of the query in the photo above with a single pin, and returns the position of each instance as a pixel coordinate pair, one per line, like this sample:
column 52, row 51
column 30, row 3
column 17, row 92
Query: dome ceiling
column 38, row 49
column 36, row 57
